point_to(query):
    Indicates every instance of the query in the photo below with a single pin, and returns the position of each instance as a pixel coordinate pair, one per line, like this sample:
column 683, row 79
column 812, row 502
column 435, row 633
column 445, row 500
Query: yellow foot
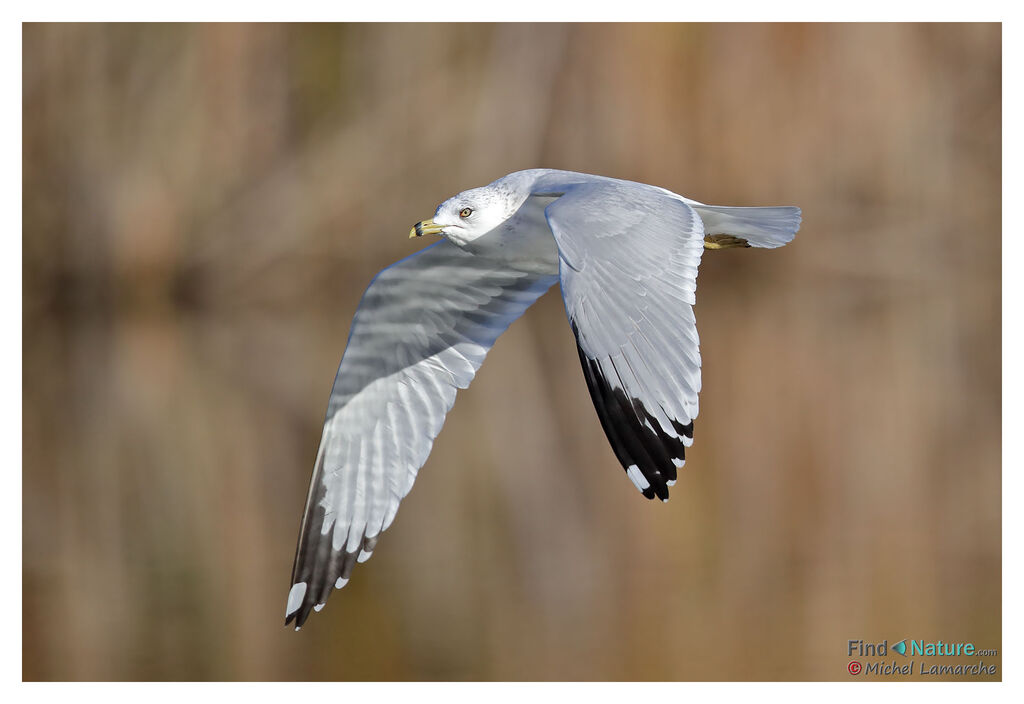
column 724, row 242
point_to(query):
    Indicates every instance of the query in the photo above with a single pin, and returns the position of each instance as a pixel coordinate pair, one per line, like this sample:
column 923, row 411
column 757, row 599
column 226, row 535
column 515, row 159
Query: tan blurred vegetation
column 203, row 206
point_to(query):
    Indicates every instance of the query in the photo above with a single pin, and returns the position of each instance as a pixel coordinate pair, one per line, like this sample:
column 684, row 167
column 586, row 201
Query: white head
column 471, row 214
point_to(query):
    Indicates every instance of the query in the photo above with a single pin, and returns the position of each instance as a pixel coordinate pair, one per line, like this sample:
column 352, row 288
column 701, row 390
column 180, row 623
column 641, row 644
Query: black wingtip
column 649, row 455
column 661, row 490
column 299, row 616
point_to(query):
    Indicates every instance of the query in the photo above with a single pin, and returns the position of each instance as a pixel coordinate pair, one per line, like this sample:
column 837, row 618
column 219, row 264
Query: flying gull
column 626, row 256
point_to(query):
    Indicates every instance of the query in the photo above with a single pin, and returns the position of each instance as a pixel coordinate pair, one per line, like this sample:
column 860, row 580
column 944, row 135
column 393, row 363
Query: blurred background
column 204, row 205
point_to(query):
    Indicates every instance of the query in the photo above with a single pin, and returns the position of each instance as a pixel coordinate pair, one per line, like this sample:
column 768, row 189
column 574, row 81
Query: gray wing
column 420, row 332
column 628, row 257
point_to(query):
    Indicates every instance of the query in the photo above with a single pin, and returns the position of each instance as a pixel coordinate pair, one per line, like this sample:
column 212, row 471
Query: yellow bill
column 425, row 227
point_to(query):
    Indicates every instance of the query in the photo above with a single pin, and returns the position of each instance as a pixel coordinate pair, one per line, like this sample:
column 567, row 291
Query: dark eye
column 465, row 212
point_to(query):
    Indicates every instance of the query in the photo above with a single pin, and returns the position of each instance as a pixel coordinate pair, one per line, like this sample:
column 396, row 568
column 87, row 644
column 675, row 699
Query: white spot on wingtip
column 340, row 583
column 295, row 598
column 664, row 501
column 298, row 628
column 364, row 556
column 670, row 482
column 678, row 462
column 319, row 607
column 637, row 477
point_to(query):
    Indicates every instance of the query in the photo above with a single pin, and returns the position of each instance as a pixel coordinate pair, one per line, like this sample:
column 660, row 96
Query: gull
column 625, row 255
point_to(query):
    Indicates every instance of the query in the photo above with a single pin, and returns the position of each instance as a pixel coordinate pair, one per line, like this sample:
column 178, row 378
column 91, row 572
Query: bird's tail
column 759, row 227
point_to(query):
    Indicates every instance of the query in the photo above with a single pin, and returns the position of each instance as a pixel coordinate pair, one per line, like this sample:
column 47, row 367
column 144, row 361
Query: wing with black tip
column 628, row 269
column 420, row 333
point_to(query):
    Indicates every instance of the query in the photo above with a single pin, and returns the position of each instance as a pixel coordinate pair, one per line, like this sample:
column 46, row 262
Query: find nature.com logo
column 917, row 648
